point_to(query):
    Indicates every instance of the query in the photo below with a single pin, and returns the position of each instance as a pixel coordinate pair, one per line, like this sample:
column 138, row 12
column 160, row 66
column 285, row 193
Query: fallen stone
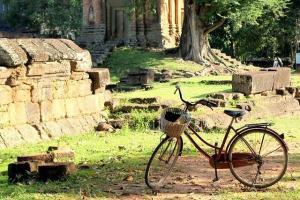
column 113, row 104
column 100, row 78
column 129, row 108
column 149, row 100
column 103, row 126
column 56, row 171
column 47, row 158
column 21, row 171
column 261, row 81
column 11, row 54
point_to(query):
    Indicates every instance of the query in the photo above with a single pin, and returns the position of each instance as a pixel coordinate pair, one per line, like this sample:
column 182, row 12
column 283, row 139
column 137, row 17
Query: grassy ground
column 125, row 59
column 115, row 157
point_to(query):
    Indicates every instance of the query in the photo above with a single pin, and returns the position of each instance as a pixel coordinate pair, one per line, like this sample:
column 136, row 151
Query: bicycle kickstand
column 215, row 164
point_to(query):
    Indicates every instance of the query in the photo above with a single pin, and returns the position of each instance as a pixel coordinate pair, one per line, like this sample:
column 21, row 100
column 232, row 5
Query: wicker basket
column 176, row 126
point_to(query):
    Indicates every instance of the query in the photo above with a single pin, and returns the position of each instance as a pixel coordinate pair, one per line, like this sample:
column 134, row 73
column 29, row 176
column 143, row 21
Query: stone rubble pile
column 47, row 89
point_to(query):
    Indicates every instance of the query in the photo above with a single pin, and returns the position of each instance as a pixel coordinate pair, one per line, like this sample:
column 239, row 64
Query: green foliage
column 273, row 33
column 53, row 17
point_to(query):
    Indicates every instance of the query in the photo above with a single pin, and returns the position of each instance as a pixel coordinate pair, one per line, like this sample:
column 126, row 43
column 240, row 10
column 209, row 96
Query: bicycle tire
column 155, row 178
column 263, row 164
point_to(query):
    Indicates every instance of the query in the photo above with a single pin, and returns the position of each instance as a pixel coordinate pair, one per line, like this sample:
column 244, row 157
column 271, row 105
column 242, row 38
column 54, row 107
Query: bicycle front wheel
column 264, row 158
column 162, row 162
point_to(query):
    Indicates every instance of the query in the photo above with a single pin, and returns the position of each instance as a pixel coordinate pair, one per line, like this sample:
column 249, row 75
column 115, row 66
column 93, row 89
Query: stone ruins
column 47, row 89
column 107, row 23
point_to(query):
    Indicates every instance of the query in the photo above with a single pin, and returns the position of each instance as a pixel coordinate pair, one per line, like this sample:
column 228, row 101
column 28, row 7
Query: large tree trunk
column 194, row 44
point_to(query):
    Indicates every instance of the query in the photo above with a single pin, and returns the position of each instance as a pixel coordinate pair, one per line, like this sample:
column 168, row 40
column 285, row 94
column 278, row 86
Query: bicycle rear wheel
column 265, row 158
column 162, row 162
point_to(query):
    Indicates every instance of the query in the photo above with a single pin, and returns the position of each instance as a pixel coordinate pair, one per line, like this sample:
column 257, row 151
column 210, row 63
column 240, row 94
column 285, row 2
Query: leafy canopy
column 48, row 16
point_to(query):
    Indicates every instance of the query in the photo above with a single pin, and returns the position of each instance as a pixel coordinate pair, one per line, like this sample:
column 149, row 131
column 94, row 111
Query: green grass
column 113, row 157
column 192, row 88
column 125, row 59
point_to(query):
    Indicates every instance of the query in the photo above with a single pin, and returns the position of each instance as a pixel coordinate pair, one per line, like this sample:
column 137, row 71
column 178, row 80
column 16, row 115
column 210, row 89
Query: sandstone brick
column 66, row 127
column 44, row 134
column 5, row 73
column 33, row 112
column 20, row 95
column 266, row 80
column 17, row 112
column 42, row 91
column 91, row 104
column 46, row 111
column 79, row 88
column 11, row 137
column 79, row 76
column 100, row 78
column 59, row 89
column 21, row 171
column 77, row 126
column 55, row 171
column 72, row 107
column 28, row 133
column 72, row 45
column 52, row 129
column 5, row 95
column 83, row 62
column 66, row 52
column 63, row 68
column 36, row 52
column 58, row 109
column 4, row 119
column 11, row 54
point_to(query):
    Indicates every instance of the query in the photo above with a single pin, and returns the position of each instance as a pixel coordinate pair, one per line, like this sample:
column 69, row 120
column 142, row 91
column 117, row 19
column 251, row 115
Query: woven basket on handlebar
column 175, row 125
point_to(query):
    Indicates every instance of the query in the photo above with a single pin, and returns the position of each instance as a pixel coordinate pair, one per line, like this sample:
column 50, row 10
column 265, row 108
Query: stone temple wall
column 47, row 89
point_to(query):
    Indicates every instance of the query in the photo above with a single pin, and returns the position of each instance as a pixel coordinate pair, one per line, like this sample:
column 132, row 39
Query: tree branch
column 214, row 26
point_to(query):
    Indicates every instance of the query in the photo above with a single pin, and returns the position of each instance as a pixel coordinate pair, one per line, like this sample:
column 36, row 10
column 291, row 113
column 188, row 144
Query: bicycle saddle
column 235, row 113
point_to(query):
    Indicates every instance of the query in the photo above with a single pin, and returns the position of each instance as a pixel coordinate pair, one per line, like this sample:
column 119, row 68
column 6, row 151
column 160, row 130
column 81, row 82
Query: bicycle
column 256, row 155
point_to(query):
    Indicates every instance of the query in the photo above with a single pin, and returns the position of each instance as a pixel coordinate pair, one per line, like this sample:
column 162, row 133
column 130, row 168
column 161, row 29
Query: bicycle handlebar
column 201, row 101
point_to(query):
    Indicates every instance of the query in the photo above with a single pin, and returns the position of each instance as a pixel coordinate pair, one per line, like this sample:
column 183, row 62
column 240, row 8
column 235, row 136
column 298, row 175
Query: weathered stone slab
column 282, row 77
column 65, row 52
column 91, row 104
column 83, row 62
column 100, row 78
column 56, row 171
column 42, row 91
column 11, row 137
column 261, row 81
column 58, row 109
column 44, row 157
column 33, row 112
column 17, row 112
column 5, row 73
column 5, row 95
column 11, row 54
column 80, row 88
column 63, row 68
column 21, row 171
column 28, row 133
column 72, row 107
column 37, row 53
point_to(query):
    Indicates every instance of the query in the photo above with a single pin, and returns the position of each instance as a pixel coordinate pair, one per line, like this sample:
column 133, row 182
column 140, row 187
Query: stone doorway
column 119, row 24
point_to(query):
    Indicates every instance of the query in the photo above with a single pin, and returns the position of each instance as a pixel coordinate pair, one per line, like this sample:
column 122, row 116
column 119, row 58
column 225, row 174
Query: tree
column 270, row 36
column 205, row 16
column 52, row 17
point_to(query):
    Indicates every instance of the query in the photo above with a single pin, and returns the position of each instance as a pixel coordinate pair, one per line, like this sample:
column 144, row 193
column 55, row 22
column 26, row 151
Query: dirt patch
column 192, row 179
